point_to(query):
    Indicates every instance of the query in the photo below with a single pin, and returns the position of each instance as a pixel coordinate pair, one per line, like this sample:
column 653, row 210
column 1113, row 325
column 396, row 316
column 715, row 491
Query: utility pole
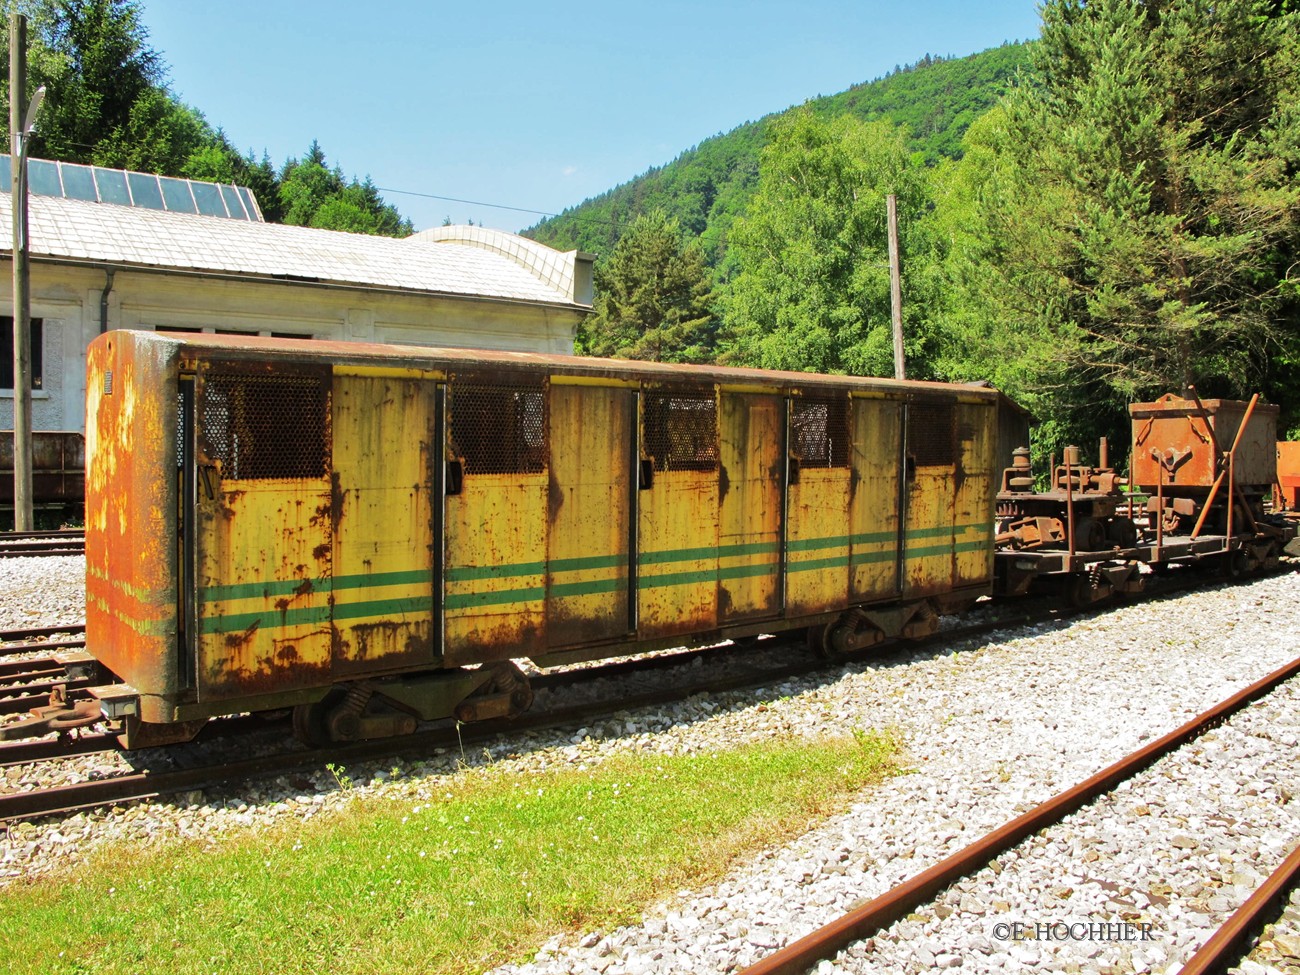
column 895, row 289
column 19, row 128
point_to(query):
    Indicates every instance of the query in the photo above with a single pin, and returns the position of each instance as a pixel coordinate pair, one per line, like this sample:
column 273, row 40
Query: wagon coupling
column 59, row 715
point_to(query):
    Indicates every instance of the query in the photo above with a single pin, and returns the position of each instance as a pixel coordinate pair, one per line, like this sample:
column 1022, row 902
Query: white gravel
column 990, row 730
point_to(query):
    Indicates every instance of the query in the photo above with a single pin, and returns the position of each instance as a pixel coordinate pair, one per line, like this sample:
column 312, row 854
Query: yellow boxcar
column 372, row 534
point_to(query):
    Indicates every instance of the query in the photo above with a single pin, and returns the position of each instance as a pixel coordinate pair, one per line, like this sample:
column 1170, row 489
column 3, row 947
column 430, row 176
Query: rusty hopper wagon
column 371, row 534
column 1093, row 530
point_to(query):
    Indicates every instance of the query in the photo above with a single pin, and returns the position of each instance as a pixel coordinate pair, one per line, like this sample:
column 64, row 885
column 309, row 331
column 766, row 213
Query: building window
column 7, row 352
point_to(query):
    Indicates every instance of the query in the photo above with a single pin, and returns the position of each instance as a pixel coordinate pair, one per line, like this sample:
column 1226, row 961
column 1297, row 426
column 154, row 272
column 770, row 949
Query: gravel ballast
column 989, row 729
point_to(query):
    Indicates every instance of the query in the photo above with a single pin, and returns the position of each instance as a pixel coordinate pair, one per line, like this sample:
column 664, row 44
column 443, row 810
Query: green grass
column 477, row 876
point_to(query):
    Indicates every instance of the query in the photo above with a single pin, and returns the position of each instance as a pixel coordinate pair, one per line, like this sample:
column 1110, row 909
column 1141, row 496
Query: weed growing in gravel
column 341, row 777
column 478, row 875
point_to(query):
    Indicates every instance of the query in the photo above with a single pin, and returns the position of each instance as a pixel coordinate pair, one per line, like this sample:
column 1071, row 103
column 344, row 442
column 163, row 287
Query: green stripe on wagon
column 461, row 574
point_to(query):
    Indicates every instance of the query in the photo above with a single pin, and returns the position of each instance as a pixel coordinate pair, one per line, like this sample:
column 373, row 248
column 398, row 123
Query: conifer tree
column 652, row 297
column 1141, row 202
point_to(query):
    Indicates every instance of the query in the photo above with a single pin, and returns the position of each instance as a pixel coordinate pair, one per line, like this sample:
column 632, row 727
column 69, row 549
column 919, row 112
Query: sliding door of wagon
column 976, row 492
column 874, row 529
column 749, row 539
column 262, row 530
column 677, row 570
column 385, row 443
column 588, row 540
column 931, row 466
column 497, row 491
column 818, row 504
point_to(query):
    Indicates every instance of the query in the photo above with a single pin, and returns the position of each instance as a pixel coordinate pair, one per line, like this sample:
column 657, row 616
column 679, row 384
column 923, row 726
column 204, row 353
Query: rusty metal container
column 268, row 519
column 1174, row 444
column 131, row 515
column 58, row 467
column 1288, row 475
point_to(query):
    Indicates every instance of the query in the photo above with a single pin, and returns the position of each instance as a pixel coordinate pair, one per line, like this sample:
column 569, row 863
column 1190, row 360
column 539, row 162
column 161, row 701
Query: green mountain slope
column 707, row 186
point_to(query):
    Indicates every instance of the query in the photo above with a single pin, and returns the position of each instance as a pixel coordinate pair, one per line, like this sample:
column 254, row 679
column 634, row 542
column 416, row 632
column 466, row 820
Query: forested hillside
column 1105, row 215
column 706, row 187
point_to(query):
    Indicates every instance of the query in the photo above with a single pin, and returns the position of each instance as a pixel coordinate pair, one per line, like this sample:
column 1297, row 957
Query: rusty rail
column 13, row 636
column 896, row 904
column 30, row 544
column 148, row 785
column 1224, row 949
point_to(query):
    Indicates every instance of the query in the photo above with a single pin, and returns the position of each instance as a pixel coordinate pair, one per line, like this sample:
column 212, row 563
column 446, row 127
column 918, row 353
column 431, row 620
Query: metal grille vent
column 819, row 431
column 930, row 431
column 266, row 426
column 681, row 430
column 497, row 429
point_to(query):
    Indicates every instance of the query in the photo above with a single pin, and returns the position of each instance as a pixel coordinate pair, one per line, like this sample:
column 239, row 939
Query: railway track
column 148, row 784
column 38, row 640
column 15, row 545
column 27, row 683
column 1216, row 955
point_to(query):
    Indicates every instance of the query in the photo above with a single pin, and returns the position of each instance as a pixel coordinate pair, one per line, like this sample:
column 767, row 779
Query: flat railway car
column 1199, row 473
column 371, row 534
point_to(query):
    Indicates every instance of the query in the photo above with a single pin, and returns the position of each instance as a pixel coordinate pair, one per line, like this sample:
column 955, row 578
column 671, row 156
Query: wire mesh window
column 266, row 426
column 930, row 434
column 499, row 429
column 819, row 431
column 681, row 430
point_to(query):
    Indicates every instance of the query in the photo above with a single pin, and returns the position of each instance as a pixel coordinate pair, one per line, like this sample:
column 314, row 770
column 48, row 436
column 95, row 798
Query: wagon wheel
column 819, row 641
column 1235, row 564
column 309, row 720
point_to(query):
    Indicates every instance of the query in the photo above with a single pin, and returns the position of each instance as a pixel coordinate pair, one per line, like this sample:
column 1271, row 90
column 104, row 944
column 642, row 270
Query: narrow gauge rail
column 1225, row 947
column 15, row 545
column 15, row 636
column 892, row 906
column 147, row 785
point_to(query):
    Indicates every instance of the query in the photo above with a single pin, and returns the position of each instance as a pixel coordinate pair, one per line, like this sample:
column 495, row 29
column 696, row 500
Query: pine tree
column 652, row 297
column 1144, row 183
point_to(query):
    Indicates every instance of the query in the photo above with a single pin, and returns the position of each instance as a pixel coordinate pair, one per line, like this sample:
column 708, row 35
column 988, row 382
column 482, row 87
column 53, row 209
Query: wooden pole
column 896, row 289
column 22, row 312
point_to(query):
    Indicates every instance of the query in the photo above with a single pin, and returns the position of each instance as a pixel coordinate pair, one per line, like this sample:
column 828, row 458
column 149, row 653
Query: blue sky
column 532, row 105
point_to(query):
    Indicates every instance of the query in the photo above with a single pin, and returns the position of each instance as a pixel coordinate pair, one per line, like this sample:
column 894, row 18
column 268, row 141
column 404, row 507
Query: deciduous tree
column 812, row 284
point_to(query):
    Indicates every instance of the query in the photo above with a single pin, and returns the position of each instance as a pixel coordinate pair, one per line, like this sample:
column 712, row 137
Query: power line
column 720, row 239
column 477, row 203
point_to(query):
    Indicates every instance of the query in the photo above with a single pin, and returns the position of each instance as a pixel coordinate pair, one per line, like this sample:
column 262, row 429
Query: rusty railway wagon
column 371, row 534
column 1199, row 473
column 58, row 465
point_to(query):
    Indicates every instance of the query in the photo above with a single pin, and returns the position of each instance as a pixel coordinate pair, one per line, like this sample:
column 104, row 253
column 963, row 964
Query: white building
column 111, row 249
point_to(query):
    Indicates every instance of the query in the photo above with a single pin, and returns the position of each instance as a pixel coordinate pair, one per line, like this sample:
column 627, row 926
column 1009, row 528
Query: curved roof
column 83, row 231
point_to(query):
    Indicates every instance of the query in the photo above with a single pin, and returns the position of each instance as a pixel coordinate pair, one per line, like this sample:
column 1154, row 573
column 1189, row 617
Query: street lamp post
column 20, row 127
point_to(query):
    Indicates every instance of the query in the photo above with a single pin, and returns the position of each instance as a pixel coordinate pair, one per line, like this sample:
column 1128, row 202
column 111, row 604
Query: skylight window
column 73, row 181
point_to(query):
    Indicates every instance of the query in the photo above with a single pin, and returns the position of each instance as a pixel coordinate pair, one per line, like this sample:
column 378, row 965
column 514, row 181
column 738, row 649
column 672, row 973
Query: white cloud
column 568, row 170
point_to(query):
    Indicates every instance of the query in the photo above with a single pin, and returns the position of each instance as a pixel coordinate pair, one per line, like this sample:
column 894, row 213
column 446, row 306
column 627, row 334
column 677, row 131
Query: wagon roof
column 458, row 360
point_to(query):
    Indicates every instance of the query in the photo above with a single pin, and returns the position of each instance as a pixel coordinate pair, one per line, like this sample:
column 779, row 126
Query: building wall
column 68, row 298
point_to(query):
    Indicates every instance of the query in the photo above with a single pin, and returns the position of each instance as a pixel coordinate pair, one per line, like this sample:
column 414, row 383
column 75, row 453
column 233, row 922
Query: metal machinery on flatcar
column 371, row 534
column 1200, row 470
